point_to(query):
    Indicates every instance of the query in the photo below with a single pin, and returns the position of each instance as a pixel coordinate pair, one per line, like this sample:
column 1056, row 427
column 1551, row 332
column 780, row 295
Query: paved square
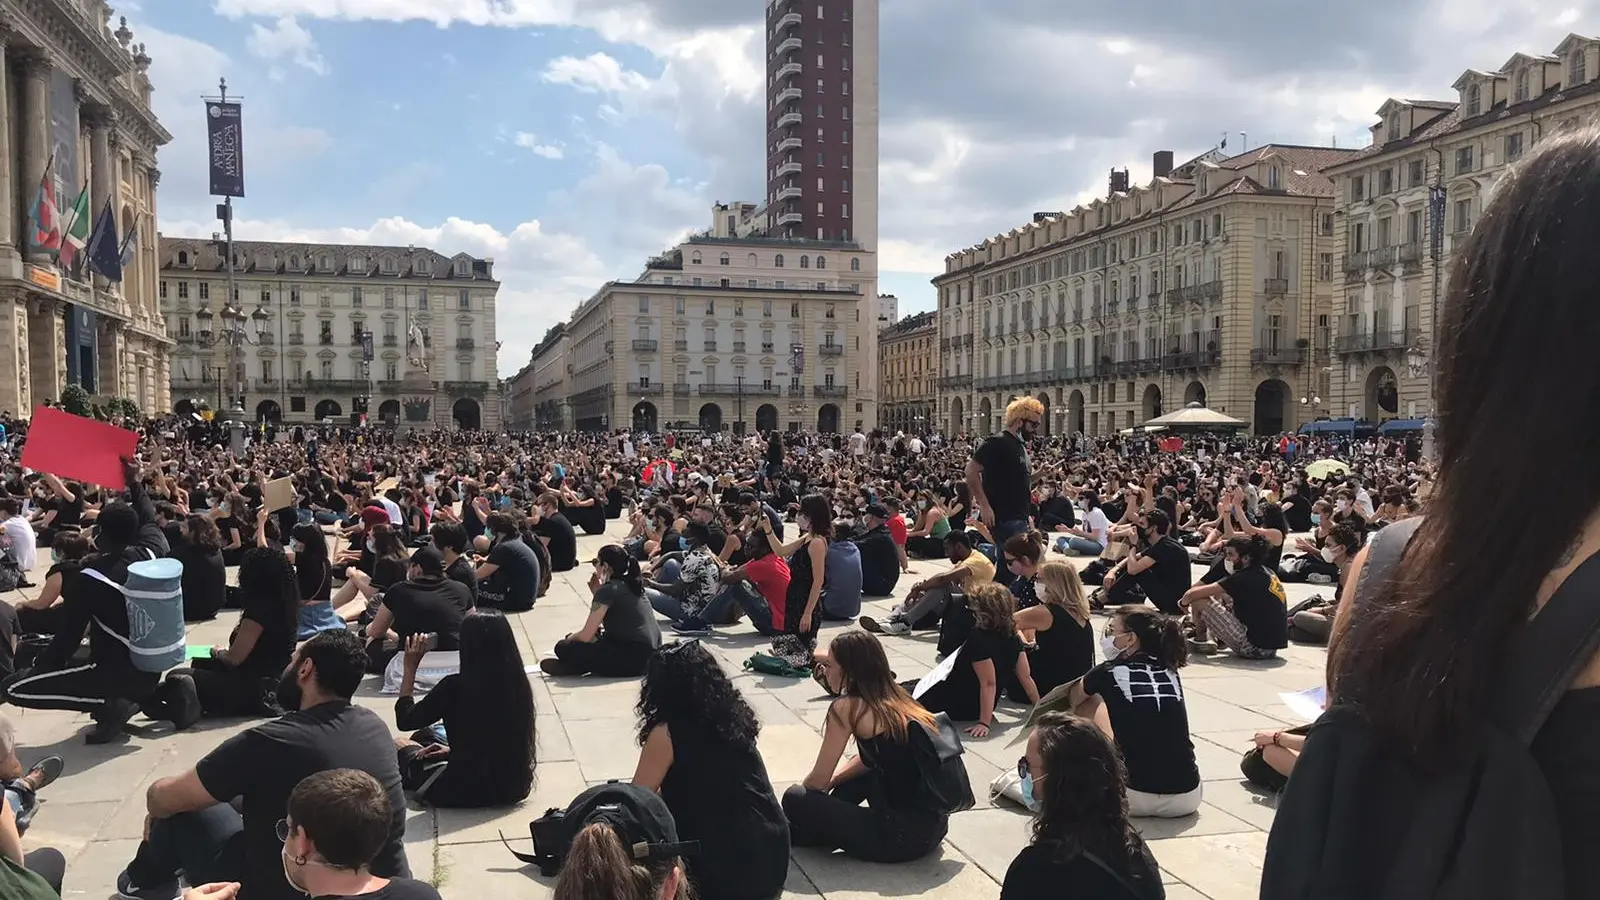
column 586, row 730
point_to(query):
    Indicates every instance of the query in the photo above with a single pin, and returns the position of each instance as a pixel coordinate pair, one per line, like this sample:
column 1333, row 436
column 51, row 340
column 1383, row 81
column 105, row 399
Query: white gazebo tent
column 1195, row 417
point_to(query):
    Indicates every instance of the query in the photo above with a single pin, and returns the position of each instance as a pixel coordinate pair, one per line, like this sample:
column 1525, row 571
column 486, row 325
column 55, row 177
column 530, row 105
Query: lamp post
column 234, row 336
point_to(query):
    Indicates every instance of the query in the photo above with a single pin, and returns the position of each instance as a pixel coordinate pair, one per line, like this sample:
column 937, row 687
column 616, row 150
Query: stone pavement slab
column 587, row 733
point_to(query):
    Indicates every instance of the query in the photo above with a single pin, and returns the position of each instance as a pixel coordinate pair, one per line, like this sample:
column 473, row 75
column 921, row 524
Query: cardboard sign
column 387, row 484
column 278, row 494
column 70, row 446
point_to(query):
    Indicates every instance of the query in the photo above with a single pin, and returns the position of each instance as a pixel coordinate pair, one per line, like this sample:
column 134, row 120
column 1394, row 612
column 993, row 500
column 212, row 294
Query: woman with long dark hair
column 485, row 753
column 239, row 679
column 1083, row 845
column 620, row 633
column 825, row 810
column 699, row 750
column 1422, row 660
column 800, row 617
column 313, row 576
column 205, row 577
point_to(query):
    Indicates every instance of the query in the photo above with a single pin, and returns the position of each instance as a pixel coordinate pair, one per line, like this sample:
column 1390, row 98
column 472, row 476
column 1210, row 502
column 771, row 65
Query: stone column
column 47, row 347
column 102, row 177
column 14, row 393
column 35, row 149
column 112, row 380
column 8, row 224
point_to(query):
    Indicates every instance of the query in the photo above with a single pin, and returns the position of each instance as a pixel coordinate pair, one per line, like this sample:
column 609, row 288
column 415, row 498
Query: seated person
column 880, row 555
column 990, row 661
column 205, row 576
column 450, row 539
column 557, row 533
column 483, row 754
column 757, row 588
column 337, row 828
column 510, row 577
column 1158, row 571
column 929, row 599
column 44, row 614
column 1246, row 609
column 1313, row 624
column 1058, row 627
column 826, row 810
column 620, row 632
column 426, row 603
column 686, row 598
column 22, row 786
column 195, row 828
column 239, row 679
column 1092, row 537
column 841, row 583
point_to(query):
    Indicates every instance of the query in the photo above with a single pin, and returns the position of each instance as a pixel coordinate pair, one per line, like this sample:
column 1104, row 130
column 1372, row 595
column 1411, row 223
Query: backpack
column 1358, row 820
column 154, row 597
column 945, row 787
column 10, row 571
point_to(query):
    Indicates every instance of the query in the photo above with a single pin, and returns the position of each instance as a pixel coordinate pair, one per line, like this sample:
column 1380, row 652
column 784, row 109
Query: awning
column 1401, row 426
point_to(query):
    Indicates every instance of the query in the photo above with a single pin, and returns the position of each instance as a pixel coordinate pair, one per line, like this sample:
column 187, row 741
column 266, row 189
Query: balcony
column 471, row 388
column 1278, row 356
column 294, row 339
column 790, row 143
column 1275, row 287
column 790, row 168
column 789, row 192
column 955, row 381
column 789, row 70
column 466, row 343
column 680, row 345
column 1196, row 351
column 831, row 349
column 645, row 345
column 791, row 119
column 789, row 20
column 325, row 340
column 790, row 95
column 681, row 389
column 1378, row 340
column 766, row 346
column 790, row 45
column 830, row 390
column 645, row 390
column 711, row 346
column 389, row 340
column 791, row 218
column 1196, row 293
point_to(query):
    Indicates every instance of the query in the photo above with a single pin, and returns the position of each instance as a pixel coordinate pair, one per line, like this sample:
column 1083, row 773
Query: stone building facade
column 908, row 370
column 75, row 102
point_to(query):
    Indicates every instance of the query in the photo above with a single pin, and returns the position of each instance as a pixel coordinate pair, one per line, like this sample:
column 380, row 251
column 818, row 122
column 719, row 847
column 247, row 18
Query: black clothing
column 1065, row 652
column 464, row 572
column 264, row 764
column 388, row 571
column 719, row 795
column 1007, row 479
column 10, row 628
column 1165, row 582
column 1144, row 701
column 396, row 889
column 894, row 826
column 1566, row 753
column 1259, row 604
column 561, row 541
column 1058, row 510
column 205, row 582
column 1040, row 873
column 429, row 605
column 880, row 562
column 516, row 578
column 959, row 695
column 485, row 767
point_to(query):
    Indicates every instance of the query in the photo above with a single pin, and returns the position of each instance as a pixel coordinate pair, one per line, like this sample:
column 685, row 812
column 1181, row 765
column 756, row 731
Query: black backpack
column 1357, row 820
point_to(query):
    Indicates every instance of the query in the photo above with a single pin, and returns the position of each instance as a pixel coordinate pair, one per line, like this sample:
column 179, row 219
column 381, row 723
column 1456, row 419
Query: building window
column 711, row 306
column 1272, row 178
column 422, row 298
column 723, row 260
column 183, row 290
column 465, row 299
column 777, row 261
column 1579, row 69
column 1386, row 181
column 1514, row 146
column 1415, row 172
column 465, row 371
column 805, row 262
column 679, row 306
column 205, row 290
column 698, row 282
column 391, row 371
column 855, row 264
column 644, row 305
column 327, row 370
column 829, row 311
column 388, row 298
column 1325, row 267
column 1521, row 92
column 1474, row 100
column 822, row 261
column 751, row 283
column 1463, row 160
column 1463, row 217
column 163, row 290
column 355, row 297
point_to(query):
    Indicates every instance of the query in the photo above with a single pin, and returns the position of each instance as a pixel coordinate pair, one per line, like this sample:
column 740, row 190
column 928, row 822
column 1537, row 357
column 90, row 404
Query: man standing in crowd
column 1000, row 477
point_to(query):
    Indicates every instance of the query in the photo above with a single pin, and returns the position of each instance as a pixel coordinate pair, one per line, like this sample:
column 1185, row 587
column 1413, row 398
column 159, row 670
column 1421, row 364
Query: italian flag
column 77, row 236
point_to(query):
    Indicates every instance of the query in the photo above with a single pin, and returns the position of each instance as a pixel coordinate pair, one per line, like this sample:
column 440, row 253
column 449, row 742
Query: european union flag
column 105, row 251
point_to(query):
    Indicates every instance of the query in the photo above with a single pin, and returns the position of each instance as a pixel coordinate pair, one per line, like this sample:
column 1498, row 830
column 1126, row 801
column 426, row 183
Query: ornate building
column 1212, row 283
column 908, row 366
column 538, row 390
column 318, row 332
column 75, row 102
column 1399, row 245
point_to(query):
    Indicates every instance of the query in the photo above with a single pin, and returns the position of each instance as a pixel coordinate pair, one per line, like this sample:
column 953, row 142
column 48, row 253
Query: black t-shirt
column 1167, row 579
column 463, row 571
column 396, row 889
column 68, row 512
column 264, row 764
column 562, row 542
column 9, row 627
column 516, row 576
column 1260, row 605
column 744, row 837
column 430, row 606
column 964, row 704
column 266, row 606
column 1007, row 479
column 1039, row 873
column 1145, row 703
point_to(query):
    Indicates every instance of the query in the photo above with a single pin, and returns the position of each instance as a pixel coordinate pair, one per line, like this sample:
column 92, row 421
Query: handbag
column 945, row 786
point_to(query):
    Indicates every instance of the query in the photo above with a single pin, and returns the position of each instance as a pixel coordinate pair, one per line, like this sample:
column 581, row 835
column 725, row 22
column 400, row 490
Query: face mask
column 55, row 556
column 1344, row 506
column 1316, row 518
column 297, row 547
column 1108, row 647
column 372, row 546
column 1029, row 430
column 289, row 693
column 1230, row 566
column 288, row 871
column 225, row 509
column 1327, row 554
column 804, row 522
column 1027, row 793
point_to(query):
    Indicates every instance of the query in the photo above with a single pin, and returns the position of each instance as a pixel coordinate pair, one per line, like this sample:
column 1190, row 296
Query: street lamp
column 235, row 337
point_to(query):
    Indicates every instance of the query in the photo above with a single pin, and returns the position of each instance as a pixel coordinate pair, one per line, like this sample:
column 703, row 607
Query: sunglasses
column 1023, row 769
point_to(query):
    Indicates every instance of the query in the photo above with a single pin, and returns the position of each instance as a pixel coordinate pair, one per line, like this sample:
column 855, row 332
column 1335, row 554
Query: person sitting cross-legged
column 929, row 598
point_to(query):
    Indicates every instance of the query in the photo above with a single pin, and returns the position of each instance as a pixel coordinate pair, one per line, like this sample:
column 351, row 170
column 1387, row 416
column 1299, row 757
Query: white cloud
column 594, row 74
column 286, row 39
column 531, row 143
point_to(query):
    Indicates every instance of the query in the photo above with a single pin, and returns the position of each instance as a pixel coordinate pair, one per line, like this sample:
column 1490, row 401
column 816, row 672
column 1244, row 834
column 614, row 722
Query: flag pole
column 72, row 221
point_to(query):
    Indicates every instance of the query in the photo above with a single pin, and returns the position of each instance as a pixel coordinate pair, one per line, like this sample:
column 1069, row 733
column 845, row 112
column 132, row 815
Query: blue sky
column 571, row 139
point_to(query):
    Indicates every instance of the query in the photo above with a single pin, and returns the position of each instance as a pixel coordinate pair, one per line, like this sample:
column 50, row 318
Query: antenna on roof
column 1244, row 140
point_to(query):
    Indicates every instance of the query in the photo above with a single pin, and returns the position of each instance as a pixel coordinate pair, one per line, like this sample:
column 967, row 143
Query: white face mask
column 1109, row 648
column 1344, row 506
column 1327, row 554
column 1230, row 566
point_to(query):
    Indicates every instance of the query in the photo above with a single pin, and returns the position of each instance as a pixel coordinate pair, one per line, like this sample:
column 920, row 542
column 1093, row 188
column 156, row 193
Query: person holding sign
column 111, row 687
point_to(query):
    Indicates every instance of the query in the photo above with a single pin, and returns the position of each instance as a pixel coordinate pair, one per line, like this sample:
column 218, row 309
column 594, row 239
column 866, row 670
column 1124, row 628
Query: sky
column 572, row 139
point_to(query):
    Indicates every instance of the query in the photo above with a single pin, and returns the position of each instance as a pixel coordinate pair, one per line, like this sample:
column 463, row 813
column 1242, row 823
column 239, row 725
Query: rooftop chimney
column 1119, row 182
column 1161, row 163
column 1041, row 216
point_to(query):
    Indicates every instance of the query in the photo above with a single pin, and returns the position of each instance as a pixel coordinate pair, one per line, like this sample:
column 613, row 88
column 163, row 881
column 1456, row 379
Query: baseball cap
column 638, row 816
column 877, row 509
column 374, row 515
column 429, row 560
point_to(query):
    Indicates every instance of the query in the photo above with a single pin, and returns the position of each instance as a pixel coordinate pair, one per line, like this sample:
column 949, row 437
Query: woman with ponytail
column 626, row 848
column 1136, row 696
column 621, row 633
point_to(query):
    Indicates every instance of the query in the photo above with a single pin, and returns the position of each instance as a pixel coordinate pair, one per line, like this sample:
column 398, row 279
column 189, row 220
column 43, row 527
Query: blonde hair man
column 999, row 475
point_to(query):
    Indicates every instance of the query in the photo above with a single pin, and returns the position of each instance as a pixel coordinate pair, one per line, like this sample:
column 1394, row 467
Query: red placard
column 70, row 446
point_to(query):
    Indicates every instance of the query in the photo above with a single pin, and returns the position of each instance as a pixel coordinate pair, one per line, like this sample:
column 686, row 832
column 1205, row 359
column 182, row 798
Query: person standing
column 1000, row 478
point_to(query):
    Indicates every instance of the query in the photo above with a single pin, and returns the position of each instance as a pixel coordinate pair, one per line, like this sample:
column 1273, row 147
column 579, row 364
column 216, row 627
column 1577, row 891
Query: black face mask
column 289, row 693
column 1028, row 430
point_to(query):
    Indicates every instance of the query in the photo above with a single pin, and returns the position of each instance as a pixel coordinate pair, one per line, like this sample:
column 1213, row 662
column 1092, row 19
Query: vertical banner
column 66, row 169
column 225, row 141
column 1436, row 198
